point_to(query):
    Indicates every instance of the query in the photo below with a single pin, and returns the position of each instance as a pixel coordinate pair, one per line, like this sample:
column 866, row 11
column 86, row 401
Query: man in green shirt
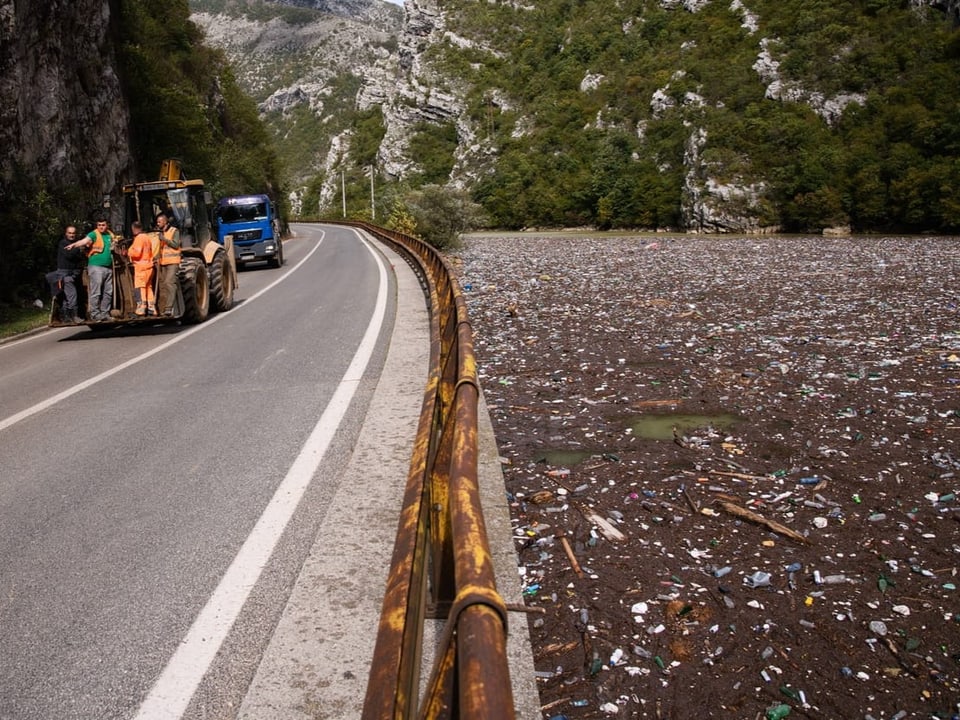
column 99, row 269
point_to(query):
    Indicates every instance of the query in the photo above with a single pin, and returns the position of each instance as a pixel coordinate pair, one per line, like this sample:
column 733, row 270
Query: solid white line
column 171, row 694
column 51, row 401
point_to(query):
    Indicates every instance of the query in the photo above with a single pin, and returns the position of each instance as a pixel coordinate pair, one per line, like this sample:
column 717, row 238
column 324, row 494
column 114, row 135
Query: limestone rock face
column 950, row 7
column 409, row 91
column 286, row 66
column 63, row 116
column 372, row 11
column 710, row 206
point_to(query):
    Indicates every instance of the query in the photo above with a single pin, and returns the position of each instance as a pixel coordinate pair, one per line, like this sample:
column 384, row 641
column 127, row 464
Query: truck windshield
column 242, row 213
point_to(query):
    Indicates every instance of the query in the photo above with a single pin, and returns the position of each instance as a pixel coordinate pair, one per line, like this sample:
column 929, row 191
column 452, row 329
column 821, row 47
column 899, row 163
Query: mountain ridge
column 746, row 116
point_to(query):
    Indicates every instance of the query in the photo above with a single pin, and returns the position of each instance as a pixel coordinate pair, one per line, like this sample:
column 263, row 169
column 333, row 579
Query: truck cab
column 252, row 222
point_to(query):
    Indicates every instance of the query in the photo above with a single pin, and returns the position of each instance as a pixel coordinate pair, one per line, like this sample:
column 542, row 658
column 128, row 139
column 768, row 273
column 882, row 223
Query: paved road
column 195, row 522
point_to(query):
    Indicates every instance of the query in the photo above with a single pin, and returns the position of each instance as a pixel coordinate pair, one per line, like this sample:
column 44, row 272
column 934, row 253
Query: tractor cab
column 186, row 203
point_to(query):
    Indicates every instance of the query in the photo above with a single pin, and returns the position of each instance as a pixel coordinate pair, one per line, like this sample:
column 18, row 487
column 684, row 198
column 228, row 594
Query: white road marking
column 171, row 694
column 51, row 401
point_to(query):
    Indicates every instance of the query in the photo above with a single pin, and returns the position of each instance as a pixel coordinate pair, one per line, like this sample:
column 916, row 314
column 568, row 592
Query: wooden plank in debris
column 605, row 527
column 760, row 520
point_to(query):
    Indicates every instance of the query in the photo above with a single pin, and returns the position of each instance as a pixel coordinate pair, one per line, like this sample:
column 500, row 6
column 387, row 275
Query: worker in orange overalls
column 141, row 252
column 169, row 263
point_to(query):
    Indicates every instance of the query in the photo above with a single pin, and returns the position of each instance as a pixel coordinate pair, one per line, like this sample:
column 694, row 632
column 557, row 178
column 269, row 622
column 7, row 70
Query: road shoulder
column 318, row 660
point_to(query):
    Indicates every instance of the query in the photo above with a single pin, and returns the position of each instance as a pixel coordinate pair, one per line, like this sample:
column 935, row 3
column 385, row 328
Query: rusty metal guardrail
column 441, row 565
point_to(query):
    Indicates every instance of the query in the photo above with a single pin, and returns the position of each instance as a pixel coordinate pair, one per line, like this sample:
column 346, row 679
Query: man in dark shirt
column 70, row 264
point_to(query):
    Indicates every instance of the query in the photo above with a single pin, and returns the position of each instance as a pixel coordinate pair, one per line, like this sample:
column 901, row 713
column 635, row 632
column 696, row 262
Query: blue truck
column 255, row 227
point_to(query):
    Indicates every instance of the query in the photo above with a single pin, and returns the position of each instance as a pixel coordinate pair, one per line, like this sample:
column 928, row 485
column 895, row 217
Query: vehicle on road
column 207, row 275
column 252, row 222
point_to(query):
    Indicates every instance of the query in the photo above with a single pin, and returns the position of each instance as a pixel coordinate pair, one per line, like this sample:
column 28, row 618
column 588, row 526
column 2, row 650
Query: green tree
column 432, row 147
column 401, row 219
column 368, row 131
column 441, row 214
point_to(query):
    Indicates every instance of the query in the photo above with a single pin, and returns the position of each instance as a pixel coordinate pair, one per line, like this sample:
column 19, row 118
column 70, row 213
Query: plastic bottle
column 758, row 579
column 778, row 712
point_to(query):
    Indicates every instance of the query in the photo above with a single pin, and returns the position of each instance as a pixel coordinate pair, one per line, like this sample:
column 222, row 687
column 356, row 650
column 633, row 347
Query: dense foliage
column 439, row 214
column 574, row 152
column 185, row 103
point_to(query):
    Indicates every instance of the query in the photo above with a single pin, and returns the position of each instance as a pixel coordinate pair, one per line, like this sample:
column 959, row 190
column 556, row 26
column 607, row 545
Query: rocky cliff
column 950, row 7
column 64, row 116
column 437, row 64
column 305, row 72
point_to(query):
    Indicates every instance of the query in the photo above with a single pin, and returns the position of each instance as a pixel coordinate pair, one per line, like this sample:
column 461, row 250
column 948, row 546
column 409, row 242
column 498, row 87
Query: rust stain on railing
column 441, row 564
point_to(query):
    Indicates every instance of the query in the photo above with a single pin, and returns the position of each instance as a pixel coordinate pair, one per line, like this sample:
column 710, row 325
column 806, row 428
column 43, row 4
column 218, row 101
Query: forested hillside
column 185, row 103
column 702, row 115
column 800, row 114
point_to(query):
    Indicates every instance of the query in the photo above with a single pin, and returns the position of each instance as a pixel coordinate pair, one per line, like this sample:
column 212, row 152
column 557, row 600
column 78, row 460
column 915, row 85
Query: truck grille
column 246, row 236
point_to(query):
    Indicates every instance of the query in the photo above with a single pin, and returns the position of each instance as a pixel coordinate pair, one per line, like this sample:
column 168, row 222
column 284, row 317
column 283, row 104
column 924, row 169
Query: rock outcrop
column 347, row 39
column 408, row 89
column 950, row 7
column 63, row 117
column 711, row 206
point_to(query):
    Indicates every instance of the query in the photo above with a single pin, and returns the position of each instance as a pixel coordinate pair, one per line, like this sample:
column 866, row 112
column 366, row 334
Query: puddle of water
column 564, row 457
column 660, row 427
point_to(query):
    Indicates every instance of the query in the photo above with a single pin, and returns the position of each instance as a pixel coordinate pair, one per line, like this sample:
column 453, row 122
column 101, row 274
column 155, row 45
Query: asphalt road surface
column 160, row 487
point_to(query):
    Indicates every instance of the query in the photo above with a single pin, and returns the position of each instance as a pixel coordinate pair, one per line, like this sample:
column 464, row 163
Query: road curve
column 144, row 469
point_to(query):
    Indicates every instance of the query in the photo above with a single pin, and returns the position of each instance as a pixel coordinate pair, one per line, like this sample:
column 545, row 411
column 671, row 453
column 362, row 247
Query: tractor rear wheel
column 196, row 290
column 221, row 283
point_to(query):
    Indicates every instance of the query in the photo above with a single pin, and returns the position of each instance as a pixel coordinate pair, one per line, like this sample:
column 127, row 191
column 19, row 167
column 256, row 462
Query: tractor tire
column 195, row 286
column 221, row 283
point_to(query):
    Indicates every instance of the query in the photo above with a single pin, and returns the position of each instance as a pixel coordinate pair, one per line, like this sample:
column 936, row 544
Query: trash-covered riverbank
column 733, row 466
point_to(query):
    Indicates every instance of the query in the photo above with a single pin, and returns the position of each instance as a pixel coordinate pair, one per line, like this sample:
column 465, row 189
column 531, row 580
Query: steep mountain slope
column 304, row 66
column 740, row 115
column 707, row 115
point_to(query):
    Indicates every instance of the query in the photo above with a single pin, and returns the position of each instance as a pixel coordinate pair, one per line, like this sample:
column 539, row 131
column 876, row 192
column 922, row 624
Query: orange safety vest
column 97, row 246
column 169, row 255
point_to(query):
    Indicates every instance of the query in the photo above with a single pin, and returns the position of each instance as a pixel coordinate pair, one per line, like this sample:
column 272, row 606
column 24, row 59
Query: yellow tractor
column 207, row 275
